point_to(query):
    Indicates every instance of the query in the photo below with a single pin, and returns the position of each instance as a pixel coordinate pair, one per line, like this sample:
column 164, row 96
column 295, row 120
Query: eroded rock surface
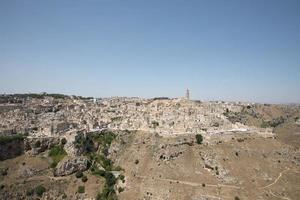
column 71, row 165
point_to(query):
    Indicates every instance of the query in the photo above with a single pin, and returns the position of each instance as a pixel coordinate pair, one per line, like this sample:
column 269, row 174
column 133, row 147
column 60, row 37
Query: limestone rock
column 71, row 165
column 40, row 144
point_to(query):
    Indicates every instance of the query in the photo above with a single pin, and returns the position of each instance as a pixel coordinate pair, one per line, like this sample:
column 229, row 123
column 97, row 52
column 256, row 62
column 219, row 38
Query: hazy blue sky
column 246, row 50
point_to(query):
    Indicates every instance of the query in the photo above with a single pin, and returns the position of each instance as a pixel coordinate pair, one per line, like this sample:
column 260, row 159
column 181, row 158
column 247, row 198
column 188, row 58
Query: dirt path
column 58, row 178
column 49, row 177
column 210, row 197
column 191, row 183
column 276, row 180
column 285, row 198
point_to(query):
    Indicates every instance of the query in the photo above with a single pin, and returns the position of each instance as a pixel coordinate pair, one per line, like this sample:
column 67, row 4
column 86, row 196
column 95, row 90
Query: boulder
column 71, row 165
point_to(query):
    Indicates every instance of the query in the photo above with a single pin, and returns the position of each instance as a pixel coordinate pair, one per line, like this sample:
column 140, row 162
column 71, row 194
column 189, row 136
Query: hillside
column 66, row 147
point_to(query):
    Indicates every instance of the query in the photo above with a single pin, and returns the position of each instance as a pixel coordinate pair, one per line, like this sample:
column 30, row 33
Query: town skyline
column 231, row 51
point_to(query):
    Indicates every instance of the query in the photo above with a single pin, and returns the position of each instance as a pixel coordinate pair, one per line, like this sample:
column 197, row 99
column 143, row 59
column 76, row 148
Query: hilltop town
column 70, row 147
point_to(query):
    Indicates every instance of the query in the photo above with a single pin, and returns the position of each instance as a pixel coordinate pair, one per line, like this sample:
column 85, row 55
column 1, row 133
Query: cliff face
column 11, row 149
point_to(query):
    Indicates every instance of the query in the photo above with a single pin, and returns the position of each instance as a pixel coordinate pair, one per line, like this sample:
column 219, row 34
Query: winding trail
column 276, row 180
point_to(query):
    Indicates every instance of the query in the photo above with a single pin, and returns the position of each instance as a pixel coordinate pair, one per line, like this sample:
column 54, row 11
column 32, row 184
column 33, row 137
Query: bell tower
column 187, row 94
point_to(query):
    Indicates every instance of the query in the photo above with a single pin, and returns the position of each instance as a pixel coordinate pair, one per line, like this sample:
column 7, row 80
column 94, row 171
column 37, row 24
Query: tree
column 39, row 190
column 79, row 174
column 63, row 141
column 110, row 179
column 81, row 189
column 199, row 138
column 84, row 179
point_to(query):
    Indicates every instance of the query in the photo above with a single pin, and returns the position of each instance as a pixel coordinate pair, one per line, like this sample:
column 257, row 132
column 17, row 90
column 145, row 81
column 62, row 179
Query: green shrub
column 108, row 193
column 154, row 124
column 120, row 189
column 116, row 119
column 99, row 172
column 2, row 186
column 84, row 179
column 53, row 164
column 106, row 163
column 199, row 138
column 7, row 139
column 57, row 153
column 30, row 192
column 63, row 141
column 265, row 124
column 276, row 122
column 39, row 190
column 105, row 138
column 273, row 123
column 121, row 177
column 37, row 144
column 3, row 171
column 79, row 174
column 236, row 198
column 136, row 161
column 57, row 150
column 118, row 168
column 86, row 143
column 81, row 189
column 110, row 179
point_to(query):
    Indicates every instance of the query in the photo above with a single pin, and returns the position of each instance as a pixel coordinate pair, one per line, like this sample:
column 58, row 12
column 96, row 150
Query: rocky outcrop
column 39, row 145
column 11, row 149
column 71, row 165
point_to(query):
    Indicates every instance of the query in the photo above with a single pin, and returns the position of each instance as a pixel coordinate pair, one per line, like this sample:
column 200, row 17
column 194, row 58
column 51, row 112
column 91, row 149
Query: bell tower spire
column 187, row 94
